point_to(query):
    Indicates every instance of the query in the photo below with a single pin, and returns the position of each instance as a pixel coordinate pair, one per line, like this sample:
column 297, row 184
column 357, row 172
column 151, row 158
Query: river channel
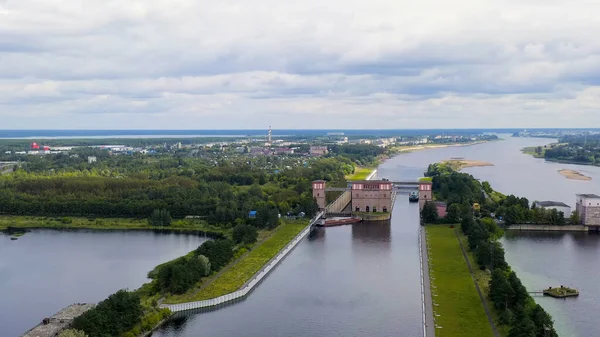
column 46, row 270
column 364, row 280
column 360, row 280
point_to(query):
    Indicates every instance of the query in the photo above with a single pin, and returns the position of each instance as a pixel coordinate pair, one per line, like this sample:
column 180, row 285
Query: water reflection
column 373, row 234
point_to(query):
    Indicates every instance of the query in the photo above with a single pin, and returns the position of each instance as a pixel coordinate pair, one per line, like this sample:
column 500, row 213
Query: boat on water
column 413, row 197
column 339, row 222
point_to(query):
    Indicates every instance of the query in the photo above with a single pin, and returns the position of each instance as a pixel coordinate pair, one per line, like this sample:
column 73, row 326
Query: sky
column 196, row 64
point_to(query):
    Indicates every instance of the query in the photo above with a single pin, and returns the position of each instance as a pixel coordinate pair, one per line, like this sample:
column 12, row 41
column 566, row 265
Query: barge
column 339, row 222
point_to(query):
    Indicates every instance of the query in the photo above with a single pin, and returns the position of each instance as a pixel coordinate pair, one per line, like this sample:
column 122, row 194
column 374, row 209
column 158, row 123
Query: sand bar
column 575, row 175
column 459, row 164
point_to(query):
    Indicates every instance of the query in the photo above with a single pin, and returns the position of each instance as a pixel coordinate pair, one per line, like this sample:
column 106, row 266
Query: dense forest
column 134, row 187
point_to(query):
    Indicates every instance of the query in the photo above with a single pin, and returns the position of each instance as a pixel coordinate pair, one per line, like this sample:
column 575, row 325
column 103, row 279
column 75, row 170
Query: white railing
column 253, row 282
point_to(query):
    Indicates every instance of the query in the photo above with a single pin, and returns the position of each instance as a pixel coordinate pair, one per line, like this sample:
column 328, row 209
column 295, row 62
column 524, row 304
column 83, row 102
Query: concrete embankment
column 253, row 282
column 548, row 228
column 370, row 176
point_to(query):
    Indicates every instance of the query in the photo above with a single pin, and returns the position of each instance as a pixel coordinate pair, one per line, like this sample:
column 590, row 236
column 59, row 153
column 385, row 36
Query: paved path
column 428, row 322
column 481, row 297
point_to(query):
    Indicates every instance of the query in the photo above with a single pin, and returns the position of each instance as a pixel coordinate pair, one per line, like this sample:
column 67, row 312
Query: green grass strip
column 360, row 173
column 102, row 223
column 240, row 273
column 460, row 309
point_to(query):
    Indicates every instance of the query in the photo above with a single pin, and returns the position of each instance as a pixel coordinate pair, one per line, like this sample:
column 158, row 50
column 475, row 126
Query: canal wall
column 370, row 176
column 548, row 228
column 254, row 281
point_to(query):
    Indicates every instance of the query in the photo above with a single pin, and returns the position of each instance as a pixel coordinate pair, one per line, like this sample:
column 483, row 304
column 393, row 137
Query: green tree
column 160, row 217
column 429, row 212
column 453, row 214
column 544, row 326
column 246, row 234
column 574, row 218
column 72, row 333
column 501, row 291
column 111, row 317
column 523, row 326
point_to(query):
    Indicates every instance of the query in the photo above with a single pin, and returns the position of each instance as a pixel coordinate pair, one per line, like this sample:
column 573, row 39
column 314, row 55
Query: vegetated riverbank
column 575, row 175
column 34, row 222
column 360, row 173
column 457, row 303
column 239, row 272
column 515, row 309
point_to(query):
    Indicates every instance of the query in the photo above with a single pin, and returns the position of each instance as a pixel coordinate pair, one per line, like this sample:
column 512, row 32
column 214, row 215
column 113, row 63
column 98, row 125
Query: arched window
column 384, row 209
column 357, row 209
column 367, row 209
column 374, row 209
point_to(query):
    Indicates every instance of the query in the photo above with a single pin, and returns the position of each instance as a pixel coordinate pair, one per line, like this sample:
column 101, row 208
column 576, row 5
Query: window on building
column 367, row 209
column 357, row 209
column 318, row 195
column 384, row 209
column 374, row 209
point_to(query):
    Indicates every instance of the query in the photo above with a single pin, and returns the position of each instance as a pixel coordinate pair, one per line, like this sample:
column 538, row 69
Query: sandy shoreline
column 459, row 164
column 575, row 175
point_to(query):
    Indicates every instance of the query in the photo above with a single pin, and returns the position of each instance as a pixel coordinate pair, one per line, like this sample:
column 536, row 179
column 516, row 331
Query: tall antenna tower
column 269, row 135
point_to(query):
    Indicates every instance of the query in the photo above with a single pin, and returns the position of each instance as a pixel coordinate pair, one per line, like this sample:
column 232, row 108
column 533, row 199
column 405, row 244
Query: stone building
column 372, row 196
column 588, row 209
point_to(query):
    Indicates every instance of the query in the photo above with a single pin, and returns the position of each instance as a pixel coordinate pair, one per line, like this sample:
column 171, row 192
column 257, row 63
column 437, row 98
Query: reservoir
column 360, row 280
column 46, row 270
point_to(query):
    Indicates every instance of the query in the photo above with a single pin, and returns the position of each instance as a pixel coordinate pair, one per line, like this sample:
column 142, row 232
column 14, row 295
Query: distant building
column 318, row 150
column 7, row 152
column 92, row 159
column 283, row 150
column 252, row 214
column 588, row 209
column 557, row 205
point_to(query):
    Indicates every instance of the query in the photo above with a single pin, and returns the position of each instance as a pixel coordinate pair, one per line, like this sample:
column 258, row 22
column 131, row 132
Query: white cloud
column 247, row 64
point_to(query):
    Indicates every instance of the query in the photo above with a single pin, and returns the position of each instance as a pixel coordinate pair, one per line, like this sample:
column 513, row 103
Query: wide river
column 344, row 281
column 46, row 270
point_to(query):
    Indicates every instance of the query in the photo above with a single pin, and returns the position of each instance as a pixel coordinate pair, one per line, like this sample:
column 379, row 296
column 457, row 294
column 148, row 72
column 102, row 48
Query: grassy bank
column 103, row 223
column 360, row 173
column 460, row 309
column 238, row 274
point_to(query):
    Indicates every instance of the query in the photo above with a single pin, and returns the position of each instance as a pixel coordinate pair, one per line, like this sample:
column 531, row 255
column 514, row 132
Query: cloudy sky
column 196, row 64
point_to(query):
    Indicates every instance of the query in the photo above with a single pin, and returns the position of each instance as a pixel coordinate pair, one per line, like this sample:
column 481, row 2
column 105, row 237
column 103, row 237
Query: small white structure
column 588, row 209
column 557, row 205
column 92, row 159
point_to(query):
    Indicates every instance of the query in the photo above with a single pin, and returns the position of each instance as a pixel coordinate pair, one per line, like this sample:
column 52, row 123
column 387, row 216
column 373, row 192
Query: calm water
column 540, row 259
column 343, row 281
column 360, row 280
column 46, row 270
column 364, row 280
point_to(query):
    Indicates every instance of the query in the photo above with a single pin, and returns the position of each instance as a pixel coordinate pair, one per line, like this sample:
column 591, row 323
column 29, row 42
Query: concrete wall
column 548, row 228
column 340, row 203
column 591, row 216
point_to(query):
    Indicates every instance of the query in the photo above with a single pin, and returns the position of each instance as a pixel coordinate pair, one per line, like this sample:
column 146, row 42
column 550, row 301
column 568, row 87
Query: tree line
column 461, row 191
column 510, row 298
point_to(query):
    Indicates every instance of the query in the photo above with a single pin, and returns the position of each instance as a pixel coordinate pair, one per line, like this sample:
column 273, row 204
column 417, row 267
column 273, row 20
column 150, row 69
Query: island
column 460, row 163
column 575, row 175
